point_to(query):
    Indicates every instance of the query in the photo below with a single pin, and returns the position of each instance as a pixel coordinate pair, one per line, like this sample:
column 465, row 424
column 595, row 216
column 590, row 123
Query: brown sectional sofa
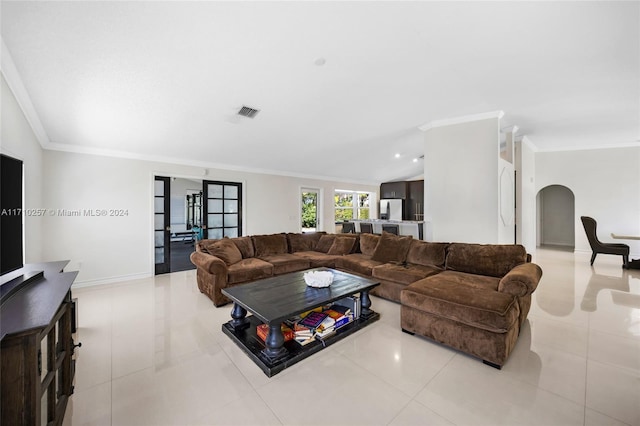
column 471, row 297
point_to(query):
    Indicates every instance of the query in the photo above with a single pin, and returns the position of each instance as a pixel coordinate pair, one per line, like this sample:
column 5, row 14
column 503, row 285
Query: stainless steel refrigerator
column 391, row 209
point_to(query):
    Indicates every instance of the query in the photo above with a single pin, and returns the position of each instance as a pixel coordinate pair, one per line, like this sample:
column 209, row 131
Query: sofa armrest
column 521, row 280
column 210, row 263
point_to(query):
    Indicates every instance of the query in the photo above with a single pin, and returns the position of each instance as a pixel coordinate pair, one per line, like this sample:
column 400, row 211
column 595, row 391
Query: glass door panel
column 222, row 209
column 161, row 221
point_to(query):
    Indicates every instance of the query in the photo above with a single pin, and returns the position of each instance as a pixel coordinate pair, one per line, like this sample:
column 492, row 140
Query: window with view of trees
column 351, row 205
column 309, row 216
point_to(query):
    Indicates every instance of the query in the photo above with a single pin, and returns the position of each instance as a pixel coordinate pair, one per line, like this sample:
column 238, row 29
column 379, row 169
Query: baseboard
column 110, row 280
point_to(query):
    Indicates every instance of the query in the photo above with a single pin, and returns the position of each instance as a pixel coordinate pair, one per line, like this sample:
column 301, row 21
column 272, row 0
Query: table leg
column 274, row 344
column 238, row 317
column 365, row 304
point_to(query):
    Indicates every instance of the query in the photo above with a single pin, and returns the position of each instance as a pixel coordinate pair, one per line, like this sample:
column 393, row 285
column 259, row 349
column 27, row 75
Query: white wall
column 526, row 194
column 606, row 185
column 461, row 181
column 112, row 248
column 17, row 140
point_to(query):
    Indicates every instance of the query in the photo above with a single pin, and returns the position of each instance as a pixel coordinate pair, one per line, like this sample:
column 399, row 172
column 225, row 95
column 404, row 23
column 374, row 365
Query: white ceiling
column 165, row 79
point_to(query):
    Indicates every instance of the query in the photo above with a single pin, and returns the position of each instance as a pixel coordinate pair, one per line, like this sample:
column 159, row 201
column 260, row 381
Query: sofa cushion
column 485, row 309
column 482, row 282
column 285, row 263
column 270, row 244
column 392, row 248
column 358, row 263
column 303, row 242
column 317, row 259
column 226, row 250
column 245, row 245
column 494, row 260
column 249, row 270
column 427, row 253
column 368, row 243
column 403, row 274
column 342, row 245
column 324, row 243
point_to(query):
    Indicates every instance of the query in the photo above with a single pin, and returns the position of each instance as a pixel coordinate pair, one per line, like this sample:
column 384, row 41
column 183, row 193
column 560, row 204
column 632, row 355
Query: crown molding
column 526, row 141
column 12, row 77
column 462, row 119
column 593, row 147
column 194, row 163
column 510, row 129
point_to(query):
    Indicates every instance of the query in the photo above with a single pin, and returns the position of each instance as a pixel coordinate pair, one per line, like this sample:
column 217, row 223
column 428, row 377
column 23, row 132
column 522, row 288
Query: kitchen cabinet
column 393, row 190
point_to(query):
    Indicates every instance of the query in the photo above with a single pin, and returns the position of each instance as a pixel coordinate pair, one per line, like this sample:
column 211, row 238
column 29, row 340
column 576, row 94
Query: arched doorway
column 556, row 217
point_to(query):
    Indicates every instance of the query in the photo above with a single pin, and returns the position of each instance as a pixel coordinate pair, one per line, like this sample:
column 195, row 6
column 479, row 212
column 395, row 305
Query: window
column 351, row 205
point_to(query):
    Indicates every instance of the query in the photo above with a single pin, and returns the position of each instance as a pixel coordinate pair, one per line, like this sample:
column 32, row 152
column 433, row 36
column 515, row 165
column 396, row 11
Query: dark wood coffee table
column 273, row 300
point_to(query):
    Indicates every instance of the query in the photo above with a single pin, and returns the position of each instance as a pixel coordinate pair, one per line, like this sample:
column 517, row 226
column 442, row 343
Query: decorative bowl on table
column 318, row 279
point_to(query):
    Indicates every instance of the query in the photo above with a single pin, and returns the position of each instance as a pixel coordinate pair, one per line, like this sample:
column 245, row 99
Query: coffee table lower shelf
column 252, row 345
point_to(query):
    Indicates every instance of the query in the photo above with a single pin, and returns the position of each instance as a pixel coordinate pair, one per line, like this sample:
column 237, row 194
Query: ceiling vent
column 249, row 112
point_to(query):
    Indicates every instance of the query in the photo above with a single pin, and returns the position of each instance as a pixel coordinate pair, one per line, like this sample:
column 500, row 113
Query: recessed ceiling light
column 397, row 155
column 415, row 160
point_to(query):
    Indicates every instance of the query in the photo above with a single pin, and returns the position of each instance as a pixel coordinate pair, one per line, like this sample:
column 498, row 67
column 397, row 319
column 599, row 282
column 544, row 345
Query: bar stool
column 392, row 229
column 366, row 228
column 348, row 228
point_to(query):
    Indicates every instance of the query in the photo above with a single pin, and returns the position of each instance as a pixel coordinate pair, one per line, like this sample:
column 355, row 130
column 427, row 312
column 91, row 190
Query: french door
column 310, row 206
column 222, row 209
column 162, row 223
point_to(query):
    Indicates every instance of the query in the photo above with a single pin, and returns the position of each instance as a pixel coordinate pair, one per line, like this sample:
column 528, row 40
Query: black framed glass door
column 222, row 209
column 162, row 224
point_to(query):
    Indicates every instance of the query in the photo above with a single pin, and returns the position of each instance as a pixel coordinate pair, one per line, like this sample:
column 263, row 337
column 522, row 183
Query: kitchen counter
column 419, row 229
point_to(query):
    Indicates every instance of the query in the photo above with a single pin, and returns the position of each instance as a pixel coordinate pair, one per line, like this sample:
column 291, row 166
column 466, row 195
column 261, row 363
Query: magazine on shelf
column 327, row 323
column 313, row 319
column 343, row 321
column 351, row 302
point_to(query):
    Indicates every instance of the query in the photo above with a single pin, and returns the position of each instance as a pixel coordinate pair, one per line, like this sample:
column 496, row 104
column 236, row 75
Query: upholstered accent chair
column 597, row 246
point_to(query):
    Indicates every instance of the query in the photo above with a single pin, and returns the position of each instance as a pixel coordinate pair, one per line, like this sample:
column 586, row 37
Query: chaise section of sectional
column 477, row 304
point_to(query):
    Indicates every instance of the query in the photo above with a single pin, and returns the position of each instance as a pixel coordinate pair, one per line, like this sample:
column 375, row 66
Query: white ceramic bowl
column 318, row 278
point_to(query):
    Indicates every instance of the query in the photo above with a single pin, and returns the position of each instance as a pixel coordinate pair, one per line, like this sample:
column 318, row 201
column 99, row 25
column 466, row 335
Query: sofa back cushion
column 392, row 248
column 325, row 242
column 368, row 243
column 342, row 245
column 226, row 250
column 427, row 254
column 303, row 242
column 493, row 260
column 266, row 245
column 245, row 245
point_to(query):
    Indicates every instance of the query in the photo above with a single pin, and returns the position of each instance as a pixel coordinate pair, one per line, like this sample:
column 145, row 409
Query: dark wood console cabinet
column 37, row 365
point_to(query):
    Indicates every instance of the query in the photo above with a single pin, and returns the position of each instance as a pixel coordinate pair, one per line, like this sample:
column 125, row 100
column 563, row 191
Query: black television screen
column 11, row 257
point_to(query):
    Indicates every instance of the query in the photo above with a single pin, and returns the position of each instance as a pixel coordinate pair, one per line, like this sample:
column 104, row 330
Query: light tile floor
column 153, row 354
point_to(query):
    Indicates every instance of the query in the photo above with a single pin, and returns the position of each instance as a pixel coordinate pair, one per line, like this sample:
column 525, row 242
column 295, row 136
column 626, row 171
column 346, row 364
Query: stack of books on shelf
column 322, row 323
column 263, row 329
column 317, row 324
